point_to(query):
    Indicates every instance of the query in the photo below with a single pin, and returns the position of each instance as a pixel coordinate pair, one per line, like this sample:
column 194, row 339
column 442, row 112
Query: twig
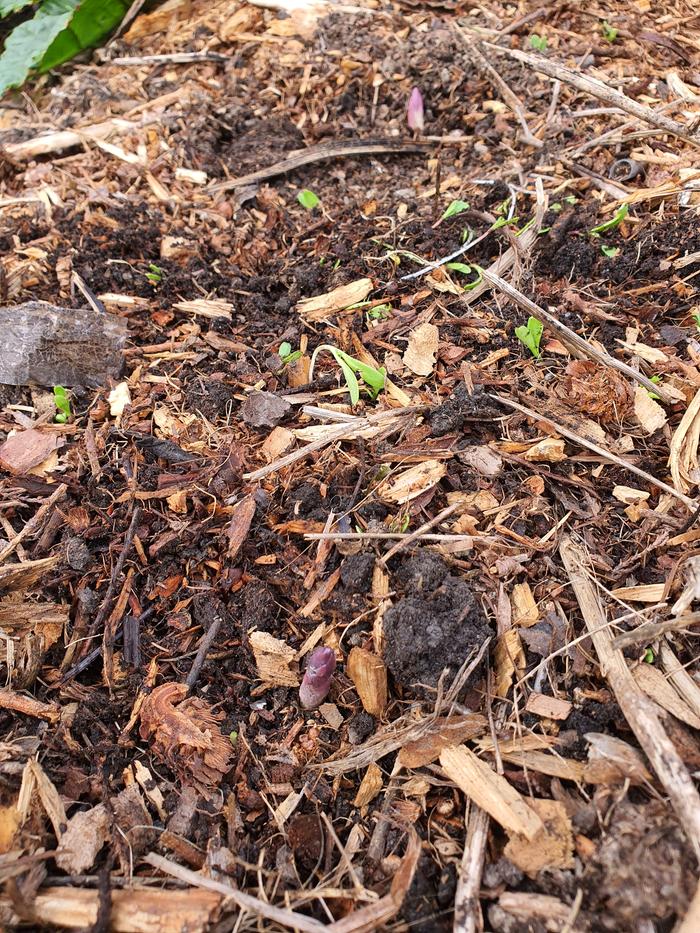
column 33, row 522
column 598, row 89
column 467, row 915
column 342, row 432
column 174, row 58
column 85, row 662
column 116, row 573
column 649, row 631
column 322, row 153
column 205, row 645
column 419, row 532
column 601, row 451
column 570, row 336
column 391, row 536
column 640, row 712
column 478, row 59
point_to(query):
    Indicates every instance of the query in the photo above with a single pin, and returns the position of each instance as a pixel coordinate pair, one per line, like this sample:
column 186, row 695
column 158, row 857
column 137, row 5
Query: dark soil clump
column 438, row 624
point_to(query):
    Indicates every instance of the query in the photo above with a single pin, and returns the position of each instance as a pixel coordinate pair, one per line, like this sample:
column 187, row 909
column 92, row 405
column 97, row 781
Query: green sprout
column 62, row 403
column 610, row 251
column 571, row 199
column 657, row 381
column 154, row 274
column 308, row 199
column 286, row 354
column 454, row 208
column 609, row 32
column 539, row 43
column 374, row 379
column 696, row 318
column 379, row 313
column 613, row 223
column 466, row 270
column 531, row 335
column 649, row 656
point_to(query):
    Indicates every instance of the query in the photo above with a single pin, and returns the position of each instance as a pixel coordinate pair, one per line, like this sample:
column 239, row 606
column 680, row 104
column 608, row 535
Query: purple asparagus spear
column 317, row 678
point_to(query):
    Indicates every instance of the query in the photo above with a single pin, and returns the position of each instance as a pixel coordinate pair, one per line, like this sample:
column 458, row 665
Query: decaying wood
column 137, row 910
column 47, row 345
column 639, row 711
column 467, row 910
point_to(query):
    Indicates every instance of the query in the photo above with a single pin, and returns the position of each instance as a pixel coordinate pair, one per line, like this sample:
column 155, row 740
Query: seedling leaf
column 374, row 379
column 308, row 199
column 538, row 42
column 454, row 208
column 610, row 251
column 613, row 223
column 609, row 32
column 531, row 335
column 62, row 403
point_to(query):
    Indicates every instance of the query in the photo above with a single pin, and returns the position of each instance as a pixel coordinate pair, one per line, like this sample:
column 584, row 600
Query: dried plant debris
column 349, row 472
column 185, row 733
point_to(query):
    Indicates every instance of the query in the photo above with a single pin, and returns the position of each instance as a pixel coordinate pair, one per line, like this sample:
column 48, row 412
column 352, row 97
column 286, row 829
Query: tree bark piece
column 47, row 345
column 640, row 712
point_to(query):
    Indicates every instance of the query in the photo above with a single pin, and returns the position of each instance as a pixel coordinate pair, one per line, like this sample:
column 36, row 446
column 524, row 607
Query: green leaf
column 12, row 6
column 62, row 403
column 611, row 224
column 374, row 379
column 556, row 207
column 308, row 199
column 284, row 350
column 531, row 335
column 454, row 208
column 649, row 656
column 460, row 267
column 609, row 32
column 28, row 43
column 610, row 251
column 92, row 22
column 571, row 199
column 503, row 222
column 538, row 42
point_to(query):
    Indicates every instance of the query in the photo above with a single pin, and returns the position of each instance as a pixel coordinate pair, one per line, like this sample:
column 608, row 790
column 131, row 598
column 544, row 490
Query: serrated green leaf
column 308, row 199
column 92, row 21
column 454, row 208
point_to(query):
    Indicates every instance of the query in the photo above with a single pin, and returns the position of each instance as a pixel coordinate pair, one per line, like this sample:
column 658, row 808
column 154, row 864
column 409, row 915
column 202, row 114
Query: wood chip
column 649, row 413
column 372, row 783
column 368, row 672
column 525, row 612
column 548, row 707
column 644, row 593
column 490, row 791
column 322, row 306
column 25, row 450
column 549, row 450
column 422, row 348
column 239, row 526
column 410, row 484
column 273, row 657
column 552, row 847
column 653, row 682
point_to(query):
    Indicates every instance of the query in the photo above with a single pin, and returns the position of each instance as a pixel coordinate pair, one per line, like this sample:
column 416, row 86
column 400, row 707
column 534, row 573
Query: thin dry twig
column 640, row 712
column 601, row 451
column 571, row 337
column 598, row 89
column 467, row 916
column 33, row 522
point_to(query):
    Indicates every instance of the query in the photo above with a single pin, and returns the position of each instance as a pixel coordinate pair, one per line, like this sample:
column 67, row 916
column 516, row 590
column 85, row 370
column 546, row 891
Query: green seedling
column 62, row 403
column 286, row 354
column 649, row 656
column 154, row 274
column 308, row 199
column 531, row 335
column 379, row 313
column 539, row 43
column 610, row 251
column 454, row 208
column 609, row 32
column 657, row 381
column 696, row 318
column 374, row 379
column 466, row 270
column 504, row 222
column 613, row 223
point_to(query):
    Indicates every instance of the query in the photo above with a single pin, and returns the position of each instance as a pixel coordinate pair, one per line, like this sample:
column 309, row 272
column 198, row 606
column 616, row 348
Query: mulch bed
column 499, row 544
